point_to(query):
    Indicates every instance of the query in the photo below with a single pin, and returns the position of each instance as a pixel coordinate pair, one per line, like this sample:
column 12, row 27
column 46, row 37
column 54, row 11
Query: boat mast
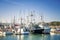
column 34, row 16
column 14, row 23
column 31, row 16
column 27, row 21
column 24, row 18
column 31, row 21
column 42, row 21
column 21, row 21
column 41, row 18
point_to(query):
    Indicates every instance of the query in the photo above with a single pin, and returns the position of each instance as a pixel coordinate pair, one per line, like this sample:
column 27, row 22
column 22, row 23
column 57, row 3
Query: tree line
column 54, row 23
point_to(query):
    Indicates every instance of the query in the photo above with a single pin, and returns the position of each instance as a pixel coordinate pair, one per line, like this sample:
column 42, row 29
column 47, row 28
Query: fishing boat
column 21, row 31
column 55, row 31
column 24, row 31
column 36, row 29
column 8, row 33
column 42, row 28
column 52, row 31
column 47, row 30
column 2, row 33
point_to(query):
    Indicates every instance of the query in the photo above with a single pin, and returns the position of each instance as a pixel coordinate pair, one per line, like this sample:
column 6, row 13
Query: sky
column 50, row 9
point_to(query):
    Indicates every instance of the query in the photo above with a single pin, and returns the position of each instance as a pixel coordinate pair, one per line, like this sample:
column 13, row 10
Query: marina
column 31, row 27
column 29, row 20
column 19, row 29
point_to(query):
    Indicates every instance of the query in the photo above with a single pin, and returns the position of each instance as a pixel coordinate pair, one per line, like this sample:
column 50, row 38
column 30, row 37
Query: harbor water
column 31, row 37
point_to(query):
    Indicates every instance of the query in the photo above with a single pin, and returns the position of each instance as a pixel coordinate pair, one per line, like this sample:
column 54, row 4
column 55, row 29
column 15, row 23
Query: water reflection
column 55, row 37
column 36, row 37
column 22, row 37
column 40, row 37
column 31, row 37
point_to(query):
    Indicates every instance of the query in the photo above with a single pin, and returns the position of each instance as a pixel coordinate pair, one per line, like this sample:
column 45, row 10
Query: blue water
column 31, row 37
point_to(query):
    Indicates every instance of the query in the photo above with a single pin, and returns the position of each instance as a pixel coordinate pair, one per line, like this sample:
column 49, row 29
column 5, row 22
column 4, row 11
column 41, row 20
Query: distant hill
column 54, row 23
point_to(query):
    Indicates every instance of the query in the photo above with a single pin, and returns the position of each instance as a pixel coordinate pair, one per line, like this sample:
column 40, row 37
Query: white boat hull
column 21, row 32
column 2, row 33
